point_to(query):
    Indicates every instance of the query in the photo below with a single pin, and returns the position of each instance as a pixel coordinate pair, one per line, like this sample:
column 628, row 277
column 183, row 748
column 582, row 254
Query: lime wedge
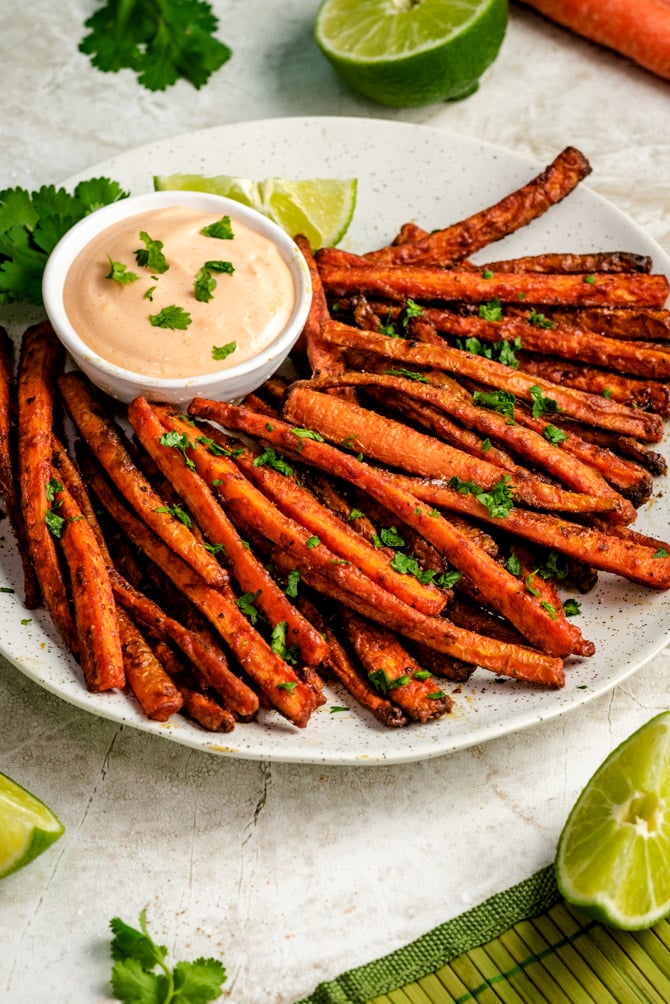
column 27, row 826
column 404, row 53
column 613, row 859
column 320, row 208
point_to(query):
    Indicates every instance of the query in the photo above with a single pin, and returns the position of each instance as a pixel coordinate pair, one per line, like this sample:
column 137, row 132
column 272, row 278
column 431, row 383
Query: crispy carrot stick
column 564, row 340
column 646, row 325
column 497, row 587
column 98, row 637
column 341, row 666
column 151, row 685
column 599, row 261
column 40, row 359
column 514, row 211
column 641, row 31
column 276, row 680
column 646, row 565
column 394, row 671
column 423, row 282
column 207, row 712
column 150, row 425
column 105, row 442
column 649, row 395
column 526, row 442
column 323, row 357
column 491, row 654
column 9, row 486
column 398, row 445
column 586, row 408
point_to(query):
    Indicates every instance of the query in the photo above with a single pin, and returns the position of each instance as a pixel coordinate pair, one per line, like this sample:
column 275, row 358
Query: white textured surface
column 291, row 873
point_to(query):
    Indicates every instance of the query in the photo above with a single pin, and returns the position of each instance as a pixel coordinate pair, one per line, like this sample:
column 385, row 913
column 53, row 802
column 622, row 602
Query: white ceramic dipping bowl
column 229, row 383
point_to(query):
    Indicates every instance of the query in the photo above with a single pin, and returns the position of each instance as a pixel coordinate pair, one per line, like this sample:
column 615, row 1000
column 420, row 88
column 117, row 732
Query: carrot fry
column 423, row 282
column 9, row 486
column 514, row 211
column 276, row 680
column 323, row 357
column 40, row 359
column 497, row 587
column 599, row 261
column 398, row 445
column 600, row 412
column 150, row 426
column 563, row 340
column 467, row 646
column 627, row 323
column 607, row 552
column 207, row 712
column 527, row 442
column 151, row 685
column 98, row 637
column 342, row 668
column 104, row 441
column 392, row 669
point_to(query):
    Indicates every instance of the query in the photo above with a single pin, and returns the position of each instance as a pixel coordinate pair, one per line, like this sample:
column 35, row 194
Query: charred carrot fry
column 323, row 357
column 150, row 426
column 98, row 636
column 393, row 671
column 630, row 324
column 341, row 666
column 649, row 395
column 105, row 442
column 511, row 213
column 642, row 33
column 491, row 654
column 526, row 441
column 586, row 408
column 599, row 261
column 151, row 685
column 497, row 587
column 40, row 359
column 560, row 339
column 608, row 552
column 207, row 712
column 202, row 651
column 423, row 282
column 276, row 680
column 397, row 445
column 9, row 486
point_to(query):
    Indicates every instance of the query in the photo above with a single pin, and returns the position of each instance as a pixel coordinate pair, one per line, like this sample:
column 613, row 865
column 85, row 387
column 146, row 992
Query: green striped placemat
column 521, row 946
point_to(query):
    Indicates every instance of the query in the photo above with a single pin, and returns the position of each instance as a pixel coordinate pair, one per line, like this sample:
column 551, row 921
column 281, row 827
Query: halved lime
column 319, row 208
column 613, row 859
column 27, row 826
column 411, row 52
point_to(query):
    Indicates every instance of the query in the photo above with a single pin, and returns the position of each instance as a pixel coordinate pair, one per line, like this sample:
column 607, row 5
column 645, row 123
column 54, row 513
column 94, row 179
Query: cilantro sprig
column 135, row 979
column 32, row 223
column 160, row 40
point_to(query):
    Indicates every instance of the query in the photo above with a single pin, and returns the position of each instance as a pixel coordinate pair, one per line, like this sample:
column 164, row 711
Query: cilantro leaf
column 173, row 317
column 160, row 41
column 135, row 981
column 32, row 223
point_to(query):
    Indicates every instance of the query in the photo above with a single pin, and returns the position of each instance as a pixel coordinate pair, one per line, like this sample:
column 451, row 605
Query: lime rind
column 321, row 208
column 394, row 57
column 27, row 826
column 613, row 856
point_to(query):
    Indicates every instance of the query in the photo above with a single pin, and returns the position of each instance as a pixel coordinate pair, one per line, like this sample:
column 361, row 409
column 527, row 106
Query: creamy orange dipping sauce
column 251, row 303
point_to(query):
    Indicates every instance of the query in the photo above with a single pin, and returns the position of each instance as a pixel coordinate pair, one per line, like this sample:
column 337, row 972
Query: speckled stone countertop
column 293, row 872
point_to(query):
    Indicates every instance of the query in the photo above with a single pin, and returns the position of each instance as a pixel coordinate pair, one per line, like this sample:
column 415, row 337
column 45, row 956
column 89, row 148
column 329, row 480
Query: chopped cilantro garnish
column 119, row 273
column 388, row 537
column 221, row 352
column 246, row 603
column 554, row 435
column 177, row 512
column 497, row 500
column 542, row 405
column 173, row 317
column 383, row 684
column 221, row 229
column 501, row 401
column 409, row 375
column 539, row 320
column 151, row 255
column 571, row 608
column 271, row 458
column 491, row 311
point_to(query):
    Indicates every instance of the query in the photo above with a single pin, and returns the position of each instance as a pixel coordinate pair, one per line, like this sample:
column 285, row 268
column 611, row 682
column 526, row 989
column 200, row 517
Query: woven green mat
column 522, row 946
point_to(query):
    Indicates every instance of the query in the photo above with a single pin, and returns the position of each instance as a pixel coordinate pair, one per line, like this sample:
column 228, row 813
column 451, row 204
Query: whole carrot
column 640, row 31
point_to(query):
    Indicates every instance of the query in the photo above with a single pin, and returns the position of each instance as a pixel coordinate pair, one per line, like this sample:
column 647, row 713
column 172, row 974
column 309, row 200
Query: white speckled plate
column 405, row 172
